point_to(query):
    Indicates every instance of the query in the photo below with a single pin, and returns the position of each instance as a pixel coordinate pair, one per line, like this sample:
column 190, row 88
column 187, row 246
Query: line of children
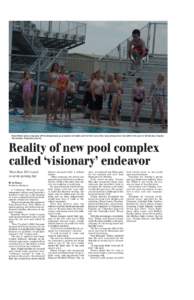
column 95, row 95
column 156, row 96
column 62, row 89
column 60, row 92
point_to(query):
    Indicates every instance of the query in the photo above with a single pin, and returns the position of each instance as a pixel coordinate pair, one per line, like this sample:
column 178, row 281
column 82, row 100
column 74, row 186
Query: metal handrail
column 124, row 44
column 124, row 41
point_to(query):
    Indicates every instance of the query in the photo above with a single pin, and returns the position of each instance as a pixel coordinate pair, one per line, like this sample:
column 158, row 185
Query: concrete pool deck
column 81, row 123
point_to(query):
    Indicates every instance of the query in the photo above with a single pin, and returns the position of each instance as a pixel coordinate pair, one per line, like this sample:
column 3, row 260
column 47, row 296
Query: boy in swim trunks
column 98, row 91
column 137, row 51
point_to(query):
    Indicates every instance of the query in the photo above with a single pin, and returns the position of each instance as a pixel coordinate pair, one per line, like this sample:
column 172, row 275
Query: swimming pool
column 43, row 127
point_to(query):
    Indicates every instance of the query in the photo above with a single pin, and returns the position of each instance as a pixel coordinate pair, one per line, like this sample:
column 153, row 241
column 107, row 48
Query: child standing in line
column 138, row 95
column 62, row 87
column 157, row 96
column 88, row 101
column 27, row 93
column 98, row 90
column 115, row 99
column 71, row 90
column 53, row 93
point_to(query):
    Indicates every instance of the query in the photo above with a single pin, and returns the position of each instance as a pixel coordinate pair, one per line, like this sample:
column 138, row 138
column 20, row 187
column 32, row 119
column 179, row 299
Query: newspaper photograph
column 55, row 88
column 93, row 173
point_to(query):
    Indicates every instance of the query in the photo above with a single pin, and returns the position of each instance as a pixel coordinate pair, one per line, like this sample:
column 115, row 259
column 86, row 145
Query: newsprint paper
column 93, row 165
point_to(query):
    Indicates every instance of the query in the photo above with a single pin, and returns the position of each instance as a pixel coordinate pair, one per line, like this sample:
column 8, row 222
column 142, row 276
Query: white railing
column 154, row 35
column 61, row 27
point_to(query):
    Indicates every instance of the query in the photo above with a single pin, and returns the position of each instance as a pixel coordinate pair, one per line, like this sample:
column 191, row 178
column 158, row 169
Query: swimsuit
column 158, row 94
column 110, row 103
column 52, row 88
column 88, row 96
column 159, row 91
column 138, row 94
column 139, row 51
column 27, row 87
column 138, row 100
column 62, row 82
column 97, row 105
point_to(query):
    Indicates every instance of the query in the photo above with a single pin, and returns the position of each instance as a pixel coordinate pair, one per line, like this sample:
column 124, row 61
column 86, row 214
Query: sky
column 103, row 36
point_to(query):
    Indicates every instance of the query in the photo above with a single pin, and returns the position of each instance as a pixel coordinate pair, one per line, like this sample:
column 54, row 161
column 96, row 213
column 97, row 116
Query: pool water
column 41, row 127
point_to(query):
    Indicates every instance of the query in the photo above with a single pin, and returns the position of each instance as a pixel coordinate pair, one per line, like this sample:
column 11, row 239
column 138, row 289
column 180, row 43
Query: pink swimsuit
column 27, row 88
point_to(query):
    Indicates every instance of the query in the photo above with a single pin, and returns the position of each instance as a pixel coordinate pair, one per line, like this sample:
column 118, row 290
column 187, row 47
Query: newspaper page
column 89, row 176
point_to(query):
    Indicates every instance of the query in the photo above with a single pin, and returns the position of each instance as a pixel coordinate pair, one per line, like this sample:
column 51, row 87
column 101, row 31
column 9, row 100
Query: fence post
column 127, row 49
column 22, row 26
column 37, row 86
column 154, row 39
column 148, row 37
column 148, row 40
column 50, row 23
column 106, row 68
